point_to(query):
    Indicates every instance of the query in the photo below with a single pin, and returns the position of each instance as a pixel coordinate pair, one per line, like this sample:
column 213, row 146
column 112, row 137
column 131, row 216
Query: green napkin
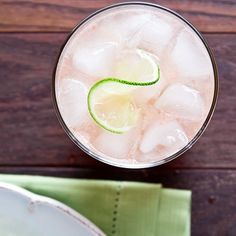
column 119, row 208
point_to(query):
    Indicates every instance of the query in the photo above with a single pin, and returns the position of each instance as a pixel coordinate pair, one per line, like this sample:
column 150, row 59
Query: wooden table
column 33, row 142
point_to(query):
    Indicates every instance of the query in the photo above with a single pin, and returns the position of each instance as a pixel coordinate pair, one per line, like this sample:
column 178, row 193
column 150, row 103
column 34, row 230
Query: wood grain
column 31, row 135
column 213, row 191
column 53, row 15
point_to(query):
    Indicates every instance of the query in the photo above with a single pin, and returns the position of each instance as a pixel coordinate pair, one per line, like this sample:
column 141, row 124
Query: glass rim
column 140, row 165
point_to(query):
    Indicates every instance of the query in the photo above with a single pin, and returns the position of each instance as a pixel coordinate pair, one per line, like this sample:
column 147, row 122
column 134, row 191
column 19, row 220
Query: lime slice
column 137, row 66
column 110, row 101
column 111, row 106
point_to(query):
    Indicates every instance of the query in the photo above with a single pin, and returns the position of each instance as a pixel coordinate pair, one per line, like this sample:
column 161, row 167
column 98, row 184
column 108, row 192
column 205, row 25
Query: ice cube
column 127, row 28
column 154, row 36
column 95, row 59
column 95, row 56
column 72, row 101
column 114, row 145
column 181, row 101
column 189, row 57
column 169, row 135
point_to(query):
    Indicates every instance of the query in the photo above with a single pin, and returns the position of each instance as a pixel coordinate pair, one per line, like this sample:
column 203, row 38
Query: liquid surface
column 170, row 112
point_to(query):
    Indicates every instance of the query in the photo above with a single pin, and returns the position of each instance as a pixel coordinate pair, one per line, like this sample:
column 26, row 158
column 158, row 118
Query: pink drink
column 171, row 113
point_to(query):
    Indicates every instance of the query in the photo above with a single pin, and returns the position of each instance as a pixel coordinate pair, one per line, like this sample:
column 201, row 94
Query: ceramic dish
column 23, row 213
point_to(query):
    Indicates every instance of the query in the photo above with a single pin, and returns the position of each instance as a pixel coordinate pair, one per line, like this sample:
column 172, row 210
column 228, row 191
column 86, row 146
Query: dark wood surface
column 32, row 141
column 53, row 15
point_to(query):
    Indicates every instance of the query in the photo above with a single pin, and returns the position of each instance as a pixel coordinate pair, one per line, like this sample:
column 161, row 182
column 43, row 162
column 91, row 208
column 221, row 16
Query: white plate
column 23, row 213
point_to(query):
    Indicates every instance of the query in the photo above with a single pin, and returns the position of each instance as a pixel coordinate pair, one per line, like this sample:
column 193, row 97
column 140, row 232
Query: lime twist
column 110, row 102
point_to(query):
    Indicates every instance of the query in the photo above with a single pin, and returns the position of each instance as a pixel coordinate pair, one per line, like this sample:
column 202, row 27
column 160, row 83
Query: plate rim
column 37, row 199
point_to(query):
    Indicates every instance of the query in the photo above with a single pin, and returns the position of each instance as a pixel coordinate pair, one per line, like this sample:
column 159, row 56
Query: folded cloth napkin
column 119, row 208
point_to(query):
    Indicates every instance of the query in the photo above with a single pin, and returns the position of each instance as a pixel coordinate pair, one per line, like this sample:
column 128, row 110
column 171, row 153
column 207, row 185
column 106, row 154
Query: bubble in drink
column 134, row 84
